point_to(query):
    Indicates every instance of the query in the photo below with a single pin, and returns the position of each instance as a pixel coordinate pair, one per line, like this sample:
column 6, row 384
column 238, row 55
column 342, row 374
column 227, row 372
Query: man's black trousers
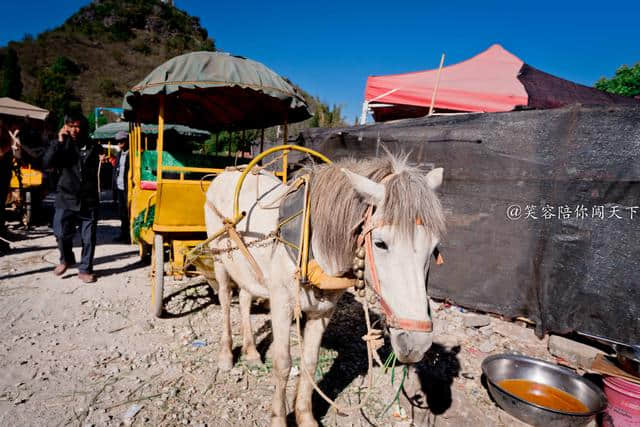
column 65, row 223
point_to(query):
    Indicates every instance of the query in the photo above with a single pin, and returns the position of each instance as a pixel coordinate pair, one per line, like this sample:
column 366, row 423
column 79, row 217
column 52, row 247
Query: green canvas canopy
column 110, row 130
column 215, row 91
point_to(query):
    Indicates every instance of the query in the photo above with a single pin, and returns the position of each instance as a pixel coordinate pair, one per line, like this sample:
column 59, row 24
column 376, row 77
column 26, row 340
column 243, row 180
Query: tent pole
column 435, row 89
column 363, row 116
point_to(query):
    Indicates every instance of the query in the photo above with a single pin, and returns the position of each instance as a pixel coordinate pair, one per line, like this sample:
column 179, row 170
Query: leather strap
column 233, row 234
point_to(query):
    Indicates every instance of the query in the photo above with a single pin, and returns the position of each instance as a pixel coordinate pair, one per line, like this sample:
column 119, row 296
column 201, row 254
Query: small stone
column 294, row 372
column 476, row 321
column 486, row 330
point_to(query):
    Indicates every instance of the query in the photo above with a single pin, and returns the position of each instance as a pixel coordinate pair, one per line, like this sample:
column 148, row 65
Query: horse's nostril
column 403, row 343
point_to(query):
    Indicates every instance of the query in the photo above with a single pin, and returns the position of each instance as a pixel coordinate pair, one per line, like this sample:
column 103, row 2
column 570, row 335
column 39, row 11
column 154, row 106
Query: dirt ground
column 93, row 354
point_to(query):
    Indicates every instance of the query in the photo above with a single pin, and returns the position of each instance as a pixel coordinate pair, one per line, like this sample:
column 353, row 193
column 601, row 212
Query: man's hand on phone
column 63, row 132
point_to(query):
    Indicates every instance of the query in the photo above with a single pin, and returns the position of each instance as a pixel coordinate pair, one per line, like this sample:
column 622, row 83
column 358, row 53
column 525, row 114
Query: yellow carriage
column 206, row 90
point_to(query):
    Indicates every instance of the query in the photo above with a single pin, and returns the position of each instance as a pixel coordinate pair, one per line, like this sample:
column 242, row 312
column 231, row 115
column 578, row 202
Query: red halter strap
column 392, row 320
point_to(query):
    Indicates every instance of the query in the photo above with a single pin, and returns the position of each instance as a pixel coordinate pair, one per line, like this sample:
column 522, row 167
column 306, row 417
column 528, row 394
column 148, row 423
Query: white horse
column 405, row 227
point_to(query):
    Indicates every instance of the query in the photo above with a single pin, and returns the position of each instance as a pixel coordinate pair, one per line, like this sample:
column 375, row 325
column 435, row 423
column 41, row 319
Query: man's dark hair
column 74, row 116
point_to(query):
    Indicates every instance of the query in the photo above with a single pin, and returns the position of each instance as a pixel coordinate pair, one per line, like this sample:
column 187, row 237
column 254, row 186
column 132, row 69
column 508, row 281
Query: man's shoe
column 87, row 277
column 60, row 269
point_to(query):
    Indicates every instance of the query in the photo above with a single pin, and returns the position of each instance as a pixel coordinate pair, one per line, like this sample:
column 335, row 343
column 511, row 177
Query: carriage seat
column 149, row 165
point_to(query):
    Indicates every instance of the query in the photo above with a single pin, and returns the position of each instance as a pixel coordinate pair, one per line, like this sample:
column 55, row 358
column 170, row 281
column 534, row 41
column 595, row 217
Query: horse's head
column 405, row 228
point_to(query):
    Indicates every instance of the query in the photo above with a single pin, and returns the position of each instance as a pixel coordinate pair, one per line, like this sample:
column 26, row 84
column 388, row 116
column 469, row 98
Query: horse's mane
column 336, row 208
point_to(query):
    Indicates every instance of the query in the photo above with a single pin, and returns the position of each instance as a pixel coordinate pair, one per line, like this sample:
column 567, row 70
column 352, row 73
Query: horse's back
column 258, row 193
column 259, row 198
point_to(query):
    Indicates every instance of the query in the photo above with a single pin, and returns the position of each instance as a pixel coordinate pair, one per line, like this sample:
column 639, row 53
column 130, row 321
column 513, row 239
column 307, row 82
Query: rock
column 294, row 372
column 581, row 355
column 487, row 347
column 514, row 332
column 476, row 320
column 486, row 330
column 130, row 415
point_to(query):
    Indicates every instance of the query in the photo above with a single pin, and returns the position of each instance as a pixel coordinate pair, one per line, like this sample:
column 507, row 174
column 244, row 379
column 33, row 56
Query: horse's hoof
column 306, row 419
column 278, row 421
column 225, row 363
column 253, row 359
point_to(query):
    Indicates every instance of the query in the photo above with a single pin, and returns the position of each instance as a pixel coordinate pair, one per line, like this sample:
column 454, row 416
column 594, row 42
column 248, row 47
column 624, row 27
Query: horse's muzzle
column 410, row 346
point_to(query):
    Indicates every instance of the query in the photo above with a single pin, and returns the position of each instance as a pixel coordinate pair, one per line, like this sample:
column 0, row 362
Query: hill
column 101, row 51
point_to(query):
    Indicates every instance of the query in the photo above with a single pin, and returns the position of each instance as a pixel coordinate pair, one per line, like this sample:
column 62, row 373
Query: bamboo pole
column 160, row 143
column 435, row 89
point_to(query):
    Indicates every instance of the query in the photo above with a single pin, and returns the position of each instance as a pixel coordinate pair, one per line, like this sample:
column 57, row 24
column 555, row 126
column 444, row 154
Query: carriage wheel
column 157, row 285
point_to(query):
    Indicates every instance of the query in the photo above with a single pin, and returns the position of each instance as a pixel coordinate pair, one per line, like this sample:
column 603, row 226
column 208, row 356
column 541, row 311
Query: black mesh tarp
column 548, row 91
column 576, row 265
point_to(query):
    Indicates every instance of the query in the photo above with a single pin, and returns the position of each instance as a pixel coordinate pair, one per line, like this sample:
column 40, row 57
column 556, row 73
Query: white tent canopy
column 11, row 107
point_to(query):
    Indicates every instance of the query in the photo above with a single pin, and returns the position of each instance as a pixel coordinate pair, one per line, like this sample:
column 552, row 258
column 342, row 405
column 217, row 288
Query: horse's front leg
column 315, row 327
column 280, row 325
column 225, row 356
column 248, row 342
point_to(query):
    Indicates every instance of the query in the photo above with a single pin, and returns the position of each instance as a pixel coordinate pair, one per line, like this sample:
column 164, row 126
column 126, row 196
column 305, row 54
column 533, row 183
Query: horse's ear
column 434, row 178
column 370, row 190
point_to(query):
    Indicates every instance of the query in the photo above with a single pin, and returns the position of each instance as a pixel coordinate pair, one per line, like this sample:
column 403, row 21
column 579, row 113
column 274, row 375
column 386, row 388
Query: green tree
column 10, row 83
column 626, row 82
column 55, row 90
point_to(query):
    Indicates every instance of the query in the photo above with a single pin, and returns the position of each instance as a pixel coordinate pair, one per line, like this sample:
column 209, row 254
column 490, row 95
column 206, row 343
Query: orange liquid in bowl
column 543, row 395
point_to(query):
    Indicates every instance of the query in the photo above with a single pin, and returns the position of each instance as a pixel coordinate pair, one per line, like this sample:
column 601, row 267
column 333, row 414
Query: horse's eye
column 380, row 244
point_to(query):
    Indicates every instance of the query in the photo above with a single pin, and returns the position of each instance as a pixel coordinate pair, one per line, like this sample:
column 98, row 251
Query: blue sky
column 329, row 48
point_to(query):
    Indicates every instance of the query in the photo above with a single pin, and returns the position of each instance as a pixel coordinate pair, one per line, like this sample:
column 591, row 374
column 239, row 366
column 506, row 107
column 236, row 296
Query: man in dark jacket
column 77, row 200
column 120, row 176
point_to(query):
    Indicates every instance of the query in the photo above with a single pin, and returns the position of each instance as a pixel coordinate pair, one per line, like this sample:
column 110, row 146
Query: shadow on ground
column 344, row 335
column 435, row 374
column 189, row 300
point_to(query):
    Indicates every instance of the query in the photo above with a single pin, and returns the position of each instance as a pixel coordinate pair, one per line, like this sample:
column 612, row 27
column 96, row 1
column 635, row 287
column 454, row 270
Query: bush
column 109, row 88
column 142, row 46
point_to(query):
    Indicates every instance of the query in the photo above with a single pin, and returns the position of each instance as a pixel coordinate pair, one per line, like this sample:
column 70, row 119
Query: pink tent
column 494, row 80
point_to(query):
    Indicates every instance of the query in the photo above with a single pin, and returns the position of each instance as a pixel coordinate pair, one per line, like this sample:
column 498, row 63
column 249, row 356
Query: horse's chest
column 316, row 300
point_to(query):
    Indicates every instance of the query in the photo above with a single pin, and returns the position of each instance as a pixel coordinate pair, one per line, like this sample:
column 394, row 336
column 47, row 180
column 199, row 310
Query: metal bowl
column 510, row 366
